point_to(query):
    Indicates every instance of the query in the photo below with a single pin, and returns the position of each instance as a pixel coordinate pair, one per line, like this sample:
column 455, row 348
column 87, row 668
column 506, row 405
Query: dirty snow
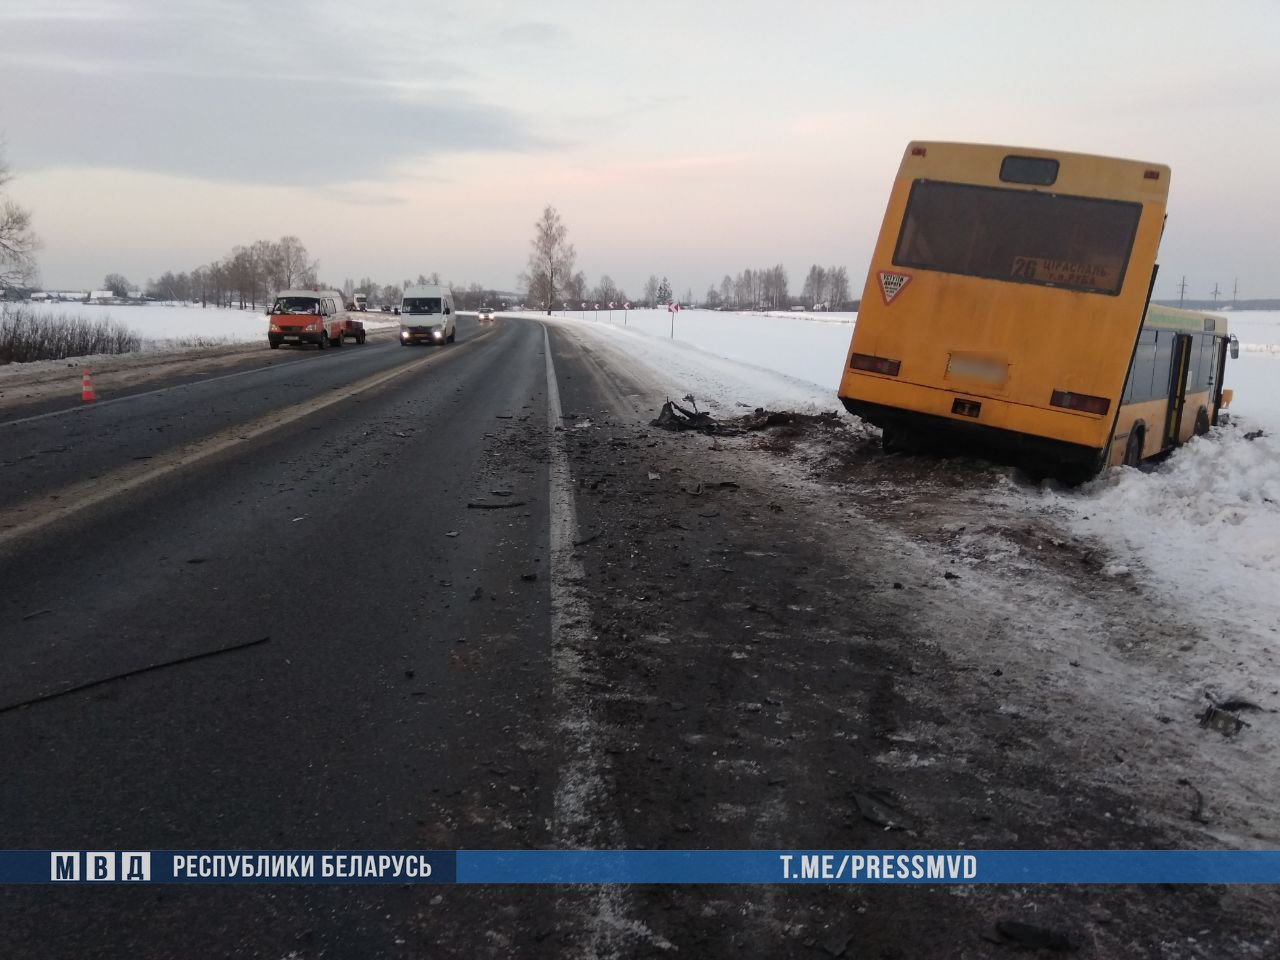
column 1192, row 543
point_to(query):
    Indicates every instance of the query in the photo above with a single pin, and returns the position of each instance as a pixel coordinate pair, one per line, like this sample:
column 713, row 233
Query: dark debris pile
column 677, row 418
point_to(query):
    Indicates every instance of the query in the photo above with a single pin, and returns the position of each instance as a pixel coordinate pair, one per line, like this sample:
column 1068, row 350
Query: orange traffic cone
column 86, row 388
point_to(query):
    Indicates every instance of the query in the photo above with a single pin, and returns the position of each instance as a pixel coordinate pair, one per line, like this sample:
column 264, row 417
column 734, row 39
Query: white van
column 427, row 315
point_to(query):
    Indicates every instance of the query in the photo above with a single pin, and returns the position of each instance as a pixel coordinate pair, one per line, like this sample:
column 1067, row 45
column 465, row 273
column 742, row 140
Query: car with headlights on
column 427, row 315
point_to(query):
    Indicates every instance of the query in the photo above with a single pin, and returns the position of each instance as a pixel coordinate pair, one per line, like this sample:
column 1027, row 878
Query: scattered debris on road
column 1030, row 935
column 55, row 694
column 879, row 808
column 1223, row 718
column 1197, row 809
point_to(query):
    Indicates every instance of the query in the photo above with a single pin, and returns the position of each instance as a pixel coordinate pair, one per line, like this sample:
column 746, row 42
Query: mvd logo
column 106, row 866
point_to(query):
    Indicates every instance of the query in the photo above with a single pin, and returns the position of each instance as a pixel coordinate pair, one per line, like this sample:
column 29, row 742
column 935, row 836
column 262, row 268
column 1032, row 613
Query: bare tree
column 293, row 266
column 815, row 286
column 117, row 284
column 726, row 290
column 18, row 242
column 651, row 291
column 837, row 286
column 606, row 291
column 551, row 259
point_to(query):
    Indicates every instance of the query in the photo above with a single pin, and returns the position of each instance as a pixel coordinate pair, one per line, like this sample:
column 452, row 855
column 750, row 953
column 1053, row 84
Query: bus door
column 1219, row 371
column 1178, row 370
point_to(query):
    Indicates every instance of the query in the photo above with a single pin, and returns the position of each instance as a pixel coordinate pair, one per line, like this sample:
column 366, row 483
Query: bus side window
column 1144, row 365
column 1163, row 367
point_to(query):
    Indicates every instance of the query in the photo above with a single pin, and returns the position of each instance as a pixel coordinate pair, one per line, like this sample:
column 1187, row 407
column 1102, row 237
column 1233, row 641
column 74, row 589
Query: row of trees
column 828, row 286
column 251, row 275
column 550, row 278
column 248, row 275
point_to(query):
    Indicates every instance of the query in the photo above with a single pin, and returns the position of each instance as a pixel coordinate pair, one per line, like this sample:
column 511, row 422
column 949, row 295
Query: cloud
column 533, row 33
column 306, row 131
column 223, row 96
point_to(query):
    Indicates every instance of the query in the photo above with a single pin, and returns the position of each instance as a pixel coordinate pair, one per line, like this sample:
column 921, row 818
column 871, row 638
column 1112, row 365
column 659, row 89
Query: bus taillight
column 860, row 361
column 1080, row 401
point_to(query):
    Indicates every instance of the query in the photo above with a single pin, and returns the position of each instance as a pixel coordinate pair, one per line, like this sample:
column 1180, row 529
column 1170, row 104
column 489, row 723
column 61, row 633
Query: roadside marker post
column 673, row 308
column 626, row 308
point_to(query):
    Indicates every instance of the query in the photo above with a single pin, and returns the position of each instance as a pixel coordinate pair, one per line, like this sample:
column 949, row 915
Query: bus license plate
column 984, row 369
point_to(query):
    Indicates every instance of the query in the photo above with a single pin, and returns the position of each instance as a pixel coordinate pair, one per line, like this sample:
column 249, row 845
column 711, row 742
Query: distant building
column 101, row 296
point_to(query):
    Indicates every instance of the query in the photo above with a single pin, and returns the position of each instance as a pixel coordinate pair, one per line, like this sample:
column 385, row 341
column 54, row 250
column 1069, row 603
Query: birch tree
column 551, row 259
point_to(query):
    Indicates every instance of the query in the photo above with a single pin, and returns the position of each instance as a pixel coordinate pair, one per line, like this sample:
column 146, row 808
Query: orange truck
column 311, row 316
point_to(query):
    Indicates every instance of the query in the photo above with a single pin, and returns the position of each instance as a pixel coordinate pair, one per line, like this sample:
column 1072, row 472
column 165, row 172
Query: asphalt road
column 407, row 635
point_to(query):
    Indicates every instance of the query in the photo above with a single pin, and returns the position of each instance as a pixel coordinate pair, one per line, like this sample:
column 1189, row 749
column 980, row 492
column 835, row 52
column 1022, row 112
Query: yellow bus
column 1004, row 303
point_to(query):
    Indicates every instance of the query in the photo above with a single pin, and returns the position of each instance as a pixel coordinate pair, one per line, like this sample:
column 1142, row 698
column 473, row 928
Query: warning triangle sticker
column 891, row 285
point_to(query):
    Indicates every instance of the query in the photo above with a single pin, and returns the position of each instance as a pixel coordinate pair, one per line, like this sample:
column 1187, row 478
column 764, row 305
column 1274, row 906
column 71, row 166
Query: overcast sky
column 687, row 139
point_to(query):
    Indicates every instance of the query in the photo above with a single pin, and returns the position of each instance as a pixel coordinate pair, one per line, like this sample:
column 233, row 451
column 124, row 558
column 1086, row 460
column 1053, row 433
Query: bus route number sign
column 1066, row 273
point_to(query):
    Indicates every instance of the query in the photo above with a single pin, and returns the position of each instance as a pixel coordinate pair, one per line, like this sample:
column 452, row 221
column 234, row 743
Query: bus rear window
column 1024, row 236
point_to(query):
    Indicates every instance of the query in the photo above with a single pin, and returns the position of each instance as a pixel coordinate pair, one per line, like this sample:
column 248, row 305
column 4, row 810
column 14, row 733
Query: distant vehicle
column 311, row 316
column 485, row 315
column 360, row 302
column 427, row 315
column 977, row 241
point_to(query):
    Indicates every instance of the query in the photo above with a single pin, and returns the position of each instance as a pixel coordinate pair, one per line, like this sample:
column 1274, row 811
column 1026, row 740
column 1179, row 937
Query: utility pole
column 1215, row 293
column 1235, row 291
column 1182, row 289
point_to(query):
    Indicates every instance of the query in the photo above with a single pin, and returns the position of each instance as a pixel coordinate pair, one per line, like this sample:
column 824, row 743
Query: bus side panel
column 1148, row 416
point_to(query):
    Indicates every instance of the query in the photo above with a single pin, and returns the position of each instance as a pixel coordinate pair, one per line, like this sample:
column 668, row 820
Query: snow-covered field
column 160, row 322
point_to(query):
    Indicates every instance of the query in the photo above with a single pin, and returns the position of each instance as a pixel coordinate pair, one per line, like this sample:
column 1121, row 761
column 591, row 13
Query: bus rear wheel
column 1133, row 449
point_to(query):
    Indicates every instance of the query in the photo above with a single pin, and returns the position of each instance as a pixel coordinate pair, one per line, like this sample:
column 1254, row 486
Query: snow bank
column 753, row 358
column 719, row 376
column 1202, row 531
column 163, row 323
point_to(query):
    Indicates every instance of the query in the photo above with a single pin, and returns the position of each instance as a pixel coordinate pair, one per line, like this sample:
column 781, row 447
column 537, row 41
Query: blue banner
column 640, row 866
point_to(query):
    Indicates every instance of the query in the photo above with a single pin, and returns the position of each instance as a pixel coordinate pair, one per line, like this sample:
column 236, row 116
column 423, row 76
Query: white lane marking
column 98, row 404
column 583, row 810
